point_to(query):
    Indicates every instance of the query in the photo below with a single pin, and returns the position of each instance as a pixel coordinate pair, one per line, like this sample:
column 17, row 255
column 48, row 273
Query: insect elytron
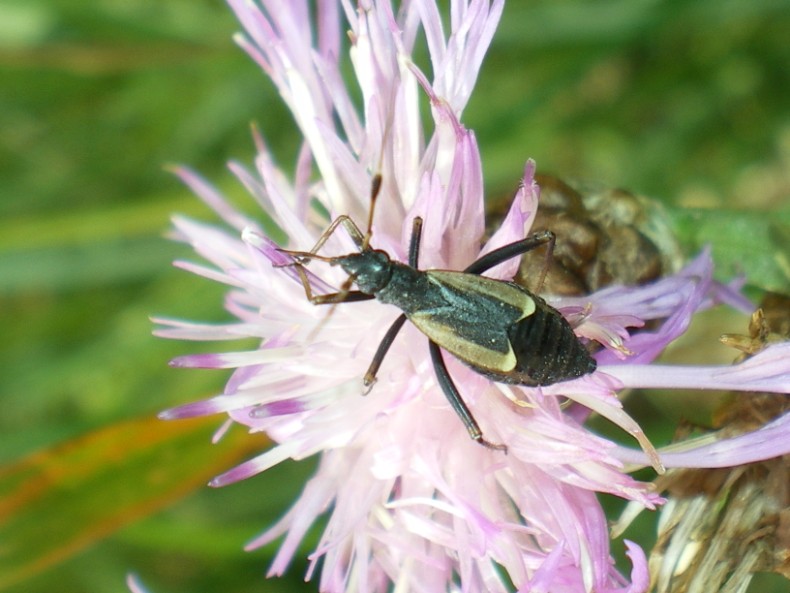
column 498, row 328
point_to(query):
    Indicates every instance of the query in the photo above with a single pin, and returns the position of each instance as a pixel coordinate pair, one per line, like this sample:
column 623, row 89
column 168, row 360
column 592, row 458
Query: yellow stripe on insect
column 464, row 349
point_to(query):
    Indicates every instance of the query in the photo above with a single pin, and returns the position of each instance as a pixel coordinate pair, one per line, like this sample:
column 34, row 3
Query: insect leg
column 370, row 376
column 304, row 257
column 454, row 397
column 351, row 228
column 414, row 255
column 504, row 253
column 360, row 239
column 330, row 298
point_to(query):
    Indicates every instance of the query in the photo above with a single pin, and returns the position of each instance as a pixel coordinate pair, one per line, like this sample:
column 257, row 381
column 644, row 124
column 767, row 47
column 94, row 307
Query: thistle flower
column 415, row 504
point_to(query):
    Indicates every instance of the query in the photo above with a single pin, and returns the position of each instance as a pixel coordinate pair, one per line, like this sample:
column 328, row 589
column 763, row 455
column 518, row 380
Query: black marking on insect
column 498, row 328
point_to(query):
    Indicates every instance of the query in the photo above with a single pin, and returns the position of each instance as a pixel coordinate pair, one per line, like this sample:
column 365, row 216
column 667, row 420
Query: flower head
column 414, row 502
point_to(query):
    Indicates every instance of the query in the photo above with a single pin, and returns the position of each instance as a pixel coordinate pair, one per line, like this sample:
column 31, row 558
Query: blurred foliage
column 685, row 101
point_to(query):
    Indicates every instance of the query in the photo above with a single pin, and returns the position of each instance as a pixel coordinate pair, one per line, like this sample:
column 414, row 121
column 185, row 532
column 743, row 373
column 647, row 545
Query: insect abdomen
column 547, row 351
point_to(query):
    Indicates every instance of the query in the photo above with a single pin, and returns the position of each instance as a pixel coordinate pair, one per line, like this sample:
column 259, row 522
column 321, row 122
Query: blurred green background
column 684, row 101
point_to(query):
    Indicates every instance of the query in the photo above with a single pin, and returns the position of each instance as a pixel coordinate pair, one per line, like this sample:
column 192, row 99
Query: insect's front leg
column 331, row 298
column 304, row 257
column 351, row 228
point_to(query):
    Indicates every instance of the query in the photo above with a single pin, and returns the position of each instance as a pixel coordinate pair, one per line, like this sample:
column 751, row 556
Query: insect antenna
column 345, row 289
column 375, row 188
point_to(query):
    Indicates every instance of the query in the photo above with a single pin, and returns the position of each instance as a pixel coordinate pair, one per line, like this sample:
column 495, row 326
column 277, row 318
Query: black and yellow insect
column 498, row 328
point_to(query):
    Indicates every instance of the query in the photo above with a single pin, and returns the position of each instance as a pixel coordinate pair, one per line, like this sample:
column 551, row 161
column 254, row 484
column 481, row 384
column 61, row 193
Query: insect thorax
column 409, row 289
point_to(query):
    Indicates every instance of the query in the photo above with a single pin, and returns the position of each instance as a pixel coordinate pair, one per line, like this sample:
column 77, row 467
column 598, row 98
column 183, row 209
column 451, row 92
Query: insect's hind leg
column 457, row 403
column 439, row 367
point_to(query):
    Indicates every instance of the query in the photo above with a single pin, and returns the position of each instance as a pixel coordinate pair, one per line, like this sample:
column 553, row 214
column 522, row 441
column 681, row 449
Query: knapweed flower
column 413, row 503
column 719, row 527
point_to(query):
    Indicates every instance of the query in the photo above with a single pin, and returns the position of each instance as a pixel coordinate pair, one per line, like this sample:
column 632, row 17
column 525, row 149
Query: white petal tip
column 251, row 237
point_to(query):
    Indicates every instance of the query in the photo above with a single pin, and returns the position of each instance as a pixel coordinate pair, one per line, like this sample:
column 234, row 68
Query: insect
column 499, row 329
